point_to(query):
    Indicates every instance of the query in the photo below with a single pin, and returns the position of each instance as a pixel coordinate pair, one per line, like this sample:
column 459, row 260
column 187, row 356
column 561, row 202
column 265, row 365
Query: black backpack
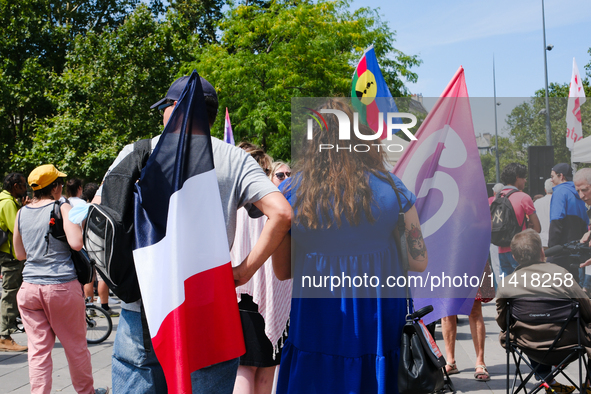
column 82, row 263
column 504, row 220
column 109, row 234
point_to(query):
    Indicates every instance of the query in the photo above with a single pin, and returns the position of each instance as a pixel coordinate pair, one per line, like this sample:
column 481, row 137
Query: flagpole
column 496, row 130
column 548, row 130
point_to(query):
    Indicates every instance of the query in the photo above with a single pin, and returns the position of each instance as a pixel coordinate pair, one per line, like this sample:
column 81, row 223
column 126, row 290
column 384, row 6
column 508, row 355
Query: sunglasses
column 281, row 175
column 165, row 105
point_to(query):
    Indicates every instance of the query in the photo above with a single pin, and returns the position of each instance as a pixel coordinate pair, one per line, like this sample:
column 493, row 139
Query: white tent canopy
column 582, row 151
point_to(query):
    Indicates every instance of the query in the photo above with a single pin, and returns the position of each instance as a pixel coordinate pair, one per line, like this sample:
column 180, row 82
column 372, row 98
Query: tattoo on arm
column 416, row 244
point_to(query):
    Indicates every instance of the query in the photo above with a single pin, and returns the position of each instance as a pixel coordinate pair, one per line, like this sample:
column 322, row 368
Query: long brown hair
column 332, row 184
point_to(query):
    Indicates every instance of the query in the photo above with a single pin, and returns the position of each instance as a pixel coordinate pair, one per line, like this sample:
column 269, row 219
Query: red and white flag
column 181, row 249
column 576, row 98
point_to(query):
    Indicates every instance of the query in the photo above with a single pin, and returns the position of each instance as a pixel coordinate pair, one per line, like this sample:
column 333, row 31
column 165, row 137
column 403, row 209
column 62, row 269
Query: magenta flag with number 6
column 442, row 168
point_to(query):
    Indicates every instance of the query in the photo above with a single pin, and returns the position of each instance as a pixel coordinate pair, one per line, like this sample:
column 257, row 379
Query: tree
column 36, row 35
column 508, row 153
column 527, row 122
column 198, row 17
column 272, row 51
column 104, row 95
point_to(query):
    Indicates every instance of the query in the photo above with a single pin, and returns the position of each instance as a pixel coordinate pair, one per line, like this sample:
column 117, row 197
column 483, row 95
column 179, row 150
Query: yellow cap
column 43, row 176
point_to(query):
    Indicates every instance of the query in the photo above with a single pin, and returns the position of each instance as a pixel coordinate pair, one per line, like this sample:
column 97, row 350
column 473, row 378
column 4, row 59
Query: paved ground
column 14, row 369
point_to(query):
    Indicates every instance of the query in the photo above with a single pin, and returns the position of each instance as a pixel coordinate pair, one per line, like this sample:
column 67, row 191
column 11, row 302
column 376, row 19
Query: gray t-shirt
column 46, row 264
column 241, row 181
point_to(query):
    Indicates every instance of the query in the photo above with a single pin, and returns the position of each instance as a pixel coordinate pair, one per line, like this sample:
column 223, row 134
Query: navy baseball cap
column 564, row 169
column 177, row 87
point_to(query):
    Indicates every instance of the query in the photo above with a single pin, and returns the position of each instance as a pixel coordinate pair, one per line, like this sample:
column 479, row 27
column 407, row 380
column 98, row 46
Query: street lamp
column 496, row 131
column 546, row 48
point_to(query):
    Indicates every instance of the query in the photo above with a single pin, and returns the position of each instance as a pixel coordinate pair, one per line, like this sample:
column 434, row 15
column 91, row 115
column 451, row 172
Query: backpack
column 109, row 235
column 82, row 263
column 504, row 220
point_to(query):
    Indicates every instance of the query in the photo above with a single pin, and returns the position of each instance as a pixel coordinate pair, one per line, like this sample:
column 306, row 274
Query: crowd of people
column 335, row 213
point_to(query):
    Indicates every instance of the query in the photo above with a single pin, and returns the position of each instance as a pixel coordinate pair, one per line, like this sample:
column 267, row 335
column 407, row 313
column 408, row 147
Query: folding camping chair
column 537, row 311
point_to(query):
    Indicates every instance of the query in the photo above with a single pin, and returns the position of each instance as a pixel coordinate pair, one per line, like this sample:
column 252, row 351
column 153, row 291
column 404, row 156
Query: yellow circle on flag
column 366, row 87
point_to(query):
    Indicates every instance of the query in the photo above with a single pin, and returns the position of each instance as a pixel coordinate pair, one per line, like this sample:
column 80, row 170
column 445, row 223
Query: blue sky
column 447, row 34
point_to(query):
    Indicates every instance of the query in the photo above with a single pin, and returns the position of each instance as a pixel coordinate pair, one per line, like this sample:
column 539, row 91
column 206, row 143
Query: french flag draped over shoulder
column 442, row 168
column 181, row 249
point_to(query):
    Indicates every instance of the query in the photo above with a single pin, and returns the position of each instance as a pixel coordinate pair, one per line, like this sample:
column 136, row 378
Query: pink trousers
column 47, row 311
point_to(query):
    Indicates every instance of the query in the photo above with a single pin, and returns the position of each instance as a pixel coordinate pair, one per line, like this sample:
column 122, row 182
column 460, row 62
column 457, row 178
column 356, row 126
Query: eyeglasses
column 165, row 105
column 281, row 175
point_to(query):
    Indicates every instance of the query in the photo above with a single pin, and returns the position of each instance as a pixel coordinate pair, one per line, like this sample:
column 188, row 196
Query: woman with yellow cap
column 50, row 300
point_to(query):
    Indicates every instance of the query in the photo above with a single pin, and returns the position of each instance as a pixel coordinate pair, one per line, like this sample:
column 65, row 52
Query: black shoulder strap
column 524, row 214
column 143, row 147
column 119, row 184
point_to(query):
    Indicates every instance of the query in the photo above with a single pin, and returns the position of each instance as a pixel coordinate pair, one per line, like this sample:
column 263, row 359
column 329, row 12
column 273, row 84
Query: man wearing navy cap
column 568, row 216
column 242, row 183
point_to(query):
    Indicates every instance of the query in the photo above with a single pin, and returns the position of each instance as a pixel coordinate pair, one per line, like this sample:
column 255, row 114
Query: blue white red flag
column 442, row 168
column 181, row 249
column 228, row 135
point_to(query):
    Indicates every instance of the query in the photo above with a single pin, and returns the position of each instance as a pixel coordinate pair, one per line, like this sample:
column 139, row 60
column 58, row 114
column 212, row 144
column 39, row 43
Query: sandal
column 483, row 376
column 452, row 370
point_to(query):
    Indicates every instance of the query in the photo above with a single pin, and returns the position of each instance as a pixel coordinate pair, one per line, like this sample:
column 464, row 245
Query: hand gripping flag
column 228, row 135
column 576, row 98
column 443, row 169
column 370, row 95
column 181, row 249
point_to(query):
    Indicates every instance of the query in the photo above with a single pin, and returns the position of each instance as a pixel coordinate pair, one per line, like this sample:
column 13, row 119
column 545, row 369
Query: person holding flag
column 193, row 320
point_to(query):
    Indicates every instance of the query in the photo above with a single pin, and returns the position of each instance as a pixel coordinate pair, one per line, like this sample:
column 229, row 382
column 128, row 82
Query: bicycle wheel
column 98, row 324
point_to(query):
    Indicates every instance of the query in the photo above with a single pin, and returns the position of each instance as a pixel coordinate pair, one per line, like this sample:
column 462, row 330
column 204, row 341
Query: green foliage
column 77, row 77
column 527, row 121
column 104, row 94
column 507, row 154
column 198, row 16
column 36, row 35
column 272, row 51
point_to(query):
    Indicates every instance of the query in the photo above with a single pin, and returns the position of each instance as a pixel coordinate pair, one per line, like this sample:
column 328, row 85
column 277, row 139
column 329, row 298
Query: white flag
column 576, row 98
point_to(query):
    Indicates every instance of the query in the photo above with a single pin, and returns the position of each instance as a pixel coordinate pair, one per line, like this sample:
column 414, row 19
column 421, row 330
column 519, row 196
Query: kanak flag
column 576, row 98
column 228, row 135
column 442, row 168
column 181, row 249
column 370, row 95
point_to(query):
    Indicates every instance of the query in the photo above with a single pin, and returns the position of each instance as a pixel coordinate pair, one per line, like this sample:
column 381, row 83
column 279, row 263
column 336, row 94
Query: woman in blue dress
column 347, row 310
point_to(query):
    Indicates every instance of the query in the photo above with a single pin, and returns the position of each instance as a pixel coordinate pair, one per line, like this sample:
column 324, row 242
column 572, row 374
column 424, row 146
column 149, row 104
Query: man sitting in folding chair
column 546, row 314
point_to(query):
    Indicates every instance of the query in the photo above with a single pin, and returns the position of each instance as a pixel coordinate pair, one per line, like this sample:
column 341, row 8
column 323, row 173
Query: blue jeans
column 507, row 263
column 136, row 371
column 133, row 369
column 215, row 379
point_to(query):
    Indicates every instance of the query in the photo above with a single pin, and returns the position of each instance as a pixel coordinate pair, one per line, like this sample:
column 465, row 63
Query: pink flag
column 576, row 98
column 442, row 168
column 228, row 135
